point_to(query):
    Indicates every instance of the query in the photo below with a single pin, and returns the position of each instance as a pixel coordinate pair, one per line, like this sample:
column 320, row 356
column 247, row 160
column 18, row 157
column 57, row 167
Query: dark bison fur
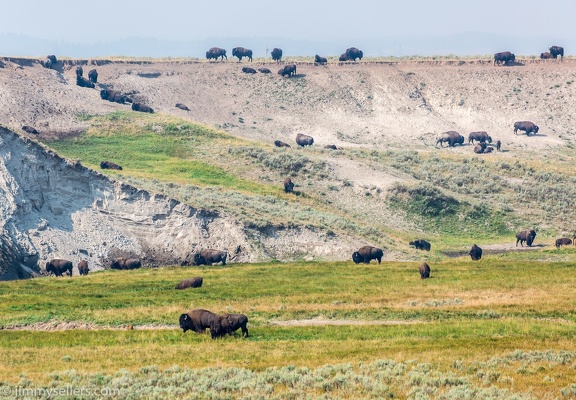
column 216, row 52
column 83, row 82
column 228, row 324
column 79, row 71
column 420, row 244
column 320, row 60
column 343, row 57
column 182, row 106
column 480, row 136
column 264, row 70
column 197, row 320
column 546, row 56
column 83, row 267
column 123, row 263
column 248, row 70
column 304, row 140
column 480, row 148
column 114, row 96
column 488, row 150
column 563, row 242
column 475, row 253
column 424, row 270
column 93, row 76
column 29, row 129
column 289, row 70
column 450, row 137
column 288, row 185
column 525, row 236
column 498, row 145
column 49, row 61
column 366, row 254
column 241, row 52
column 526, row 126
column 58, row 267
column 110, row 165
column 353, row 53
column 195, row 282
column 209, row 257
column 557, row 51
column 279, row 143
column 142, row 108
column 276, row 54
column 504, row 57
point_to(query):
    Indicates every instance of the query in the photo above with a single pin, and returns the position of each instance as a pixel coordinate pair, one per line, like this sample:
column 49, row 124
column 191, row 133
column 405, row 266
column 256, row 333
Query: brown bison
column 424, row 270
column 83, row 267
column 197, row 320
column 29, row 129
column 114, row 96
column 209, row 257
column 279, row 143
column 142, row 108
column 228, row 324
column 563, row 242
column 557, row 51
column 276, row 54
column 248, row 70
column 450, row 137
column 320, row 60
column 304, row 140
column 526, row 126
column 264, row 70
column 475, row 253
column 488, row 150
column 420, row 244
column 288, row 185
column 79, row 71
column 241, row 52
column 498, row 145
column 353, row 53
column 182, row 106
column 93, row 76
column 525, row 236
column 49, row 61
column 343, row 57
column 58, row 267
column 480, row 148
column 367, row 253
column 216, row 52
column 83, row 82
column 110, row 165
column 504, row 57
column 546, row 56
column 123, row 263
column 195, row 282
column 332, row 147
column 480, row 136
column 288, row 70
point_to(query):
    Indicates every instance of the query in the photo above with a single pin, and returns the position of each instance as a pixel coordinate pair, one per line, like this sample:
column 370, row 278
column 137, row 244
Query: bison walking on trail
column 276, row 54
column 525, row 236
column 197, row 320
column 93, row 76
column 288, row 185
column 110, row 165
column 58, row 267
column 228, row 324
column 450, row 137
column 209, row 257
column 320, row 60
column 366, row 254
column 526, row 126
column 480, row 136
column 504, row 57
column 420, row 244
column 557, row 51
column 241, row 52
column 195, row 282
column 83, row 267
column 424, row 270
column 216, row 52
column 475, row 253
column 563, row 242
column 304, row 140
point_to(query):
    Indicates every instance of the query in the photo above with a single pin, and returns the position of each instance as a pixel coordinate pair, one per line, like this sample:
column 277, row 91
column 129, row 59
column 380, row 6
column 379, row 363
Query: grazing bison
column 93, row 76
column 279, row 143
column 182, row 106
column 288, row 70
column 110, row 165
column 367, row 253
column 353, row 53
column 557, row 51
column 276, row 54
column 480, row 136
column 525, row 126
column 498, row 145
column 248, row 70
column 424, row 270
column 546, row 56
column 563, row 242
column 142, row 108
column 480, row 148
column 123, row 263
column 49, row 61
column 209, row 257
column 525, row 236
column 83, row 267
column 241, row 52
column 196, row 320
column 420, row 244
column 505, row 57
column 304, row 140
column 320, row 60
column 216, row 52
column 79, row 71
column 29, row 129
column 450, row 137
column 264, row 70
column 288, row 185
column 190, row 283
column 343, row 57
column 58, row 267
column 475, row 253
column 114, row 96
column 228, row 324
column 83, row 82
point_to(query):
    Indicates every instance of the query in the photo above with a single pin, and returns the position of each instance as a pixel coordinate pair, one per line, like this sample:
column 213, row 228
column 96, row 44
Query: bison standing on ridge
column 209, row 257
column 480, row 136
column 93, row 76
column 557, row 51
column 563, row 242
column 353, row 53
column 83, row 267
column 79, row 71
column 241, row 52
column 58, row 267
column 227, row 324
column 320, row 60
column 216, row 52
column 475, row 253
column 366, row 254
column 450, row 137
column 420, row 244
column 49, row 61
column 525, row 126
column 525, row 236
column 195, row 282
column 276, row 54
column 197, row 320
column 504, row 57
column 288, row 185
column 424, row 270
column 304, row 140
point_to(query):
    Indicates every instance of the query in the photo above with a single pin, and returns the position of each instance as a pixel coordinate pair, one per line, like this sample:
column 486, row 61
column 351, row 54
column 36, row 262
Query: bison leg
column 244, row 330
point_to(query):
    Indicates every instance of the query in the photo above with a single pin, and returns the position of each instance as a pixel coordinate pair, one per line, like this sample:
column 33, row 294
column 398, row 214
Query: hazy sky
column 99, row 21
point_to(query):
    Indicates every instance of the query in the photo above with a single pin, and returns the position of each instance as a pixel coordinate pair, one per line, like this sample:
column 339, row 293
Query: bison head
column 357, row 258
column 460, row 139
column 199, row 259
column 185, row 322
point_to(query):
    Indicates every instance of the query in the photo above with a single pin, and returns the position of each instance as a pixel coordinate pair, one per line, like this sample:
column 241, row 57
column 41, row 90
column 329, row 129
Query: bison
column 123, row 263
column 420, row 244
column 480, row 148
column 182, row 106
column 93, row 76
column 304, row 140
column 353, row 53
column 114, row 96
column 142, row 108
column 196, row 320
column 83, row 82
column 475, row 253
column 343, row 57
column 279, row 143
column 29, row 129
column 79, row 71
column 525, row 236
column 195, row 282
column 289, row 70
column 248, row 70
column 546, row 56
column 110, row 165
column 563, row 242
column 228, row 324
column 526, row 126
column 367, row 253
column 49, row 61
column 216, row 52
column 276, row 54
column 557, row 51
column 209, row 257
column 288, row 185
column 424, row 270
column 320, row 60
column 58, row 267
column 332, row 147
column 480, row 136
column 450, row 137
column 83, row 267
column 241, row 52
column 498, row 145
column 504, row 57
column 264, row 70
